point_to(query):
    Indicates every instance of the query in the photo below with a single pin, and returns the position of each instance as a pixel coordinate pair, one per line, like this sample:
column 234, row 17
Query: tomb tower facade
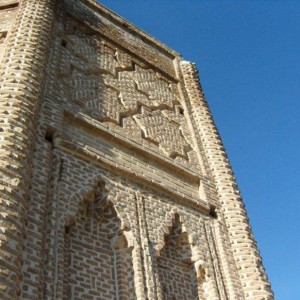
column 114, row 181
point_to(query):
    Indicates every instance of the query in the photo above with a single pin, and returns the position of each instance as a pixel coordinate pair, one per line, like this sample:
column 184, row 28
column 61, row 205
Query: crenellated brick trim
column 246, row 255
column 22, row 78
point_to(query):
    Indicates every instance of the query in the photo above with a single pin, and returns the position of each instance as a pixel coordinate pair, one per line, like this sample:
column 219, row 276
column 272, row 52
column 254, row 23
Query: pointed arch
column 182, row 274
column 177, row 275
column 166, row 226
column 95, row 195
column 97, row 248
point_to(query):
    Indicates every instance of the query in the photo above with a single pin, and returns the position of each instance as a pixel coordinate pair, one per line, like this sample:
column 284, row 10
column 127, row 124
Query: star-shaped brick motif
column 163, row 132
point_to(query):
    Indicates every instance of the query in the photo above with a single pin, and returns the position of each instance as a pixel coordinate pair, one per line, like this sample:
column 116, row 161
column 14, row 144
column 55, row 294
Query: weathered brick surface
column 114, row 180
column 97, row 255
column 8, row 12
column 246, row 255
column 176, row 273
column 21, row 88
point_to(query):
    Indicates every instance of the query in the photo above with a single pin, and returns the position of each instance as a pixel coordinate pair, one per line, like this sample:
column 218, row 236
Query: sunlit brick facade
column 114, row 180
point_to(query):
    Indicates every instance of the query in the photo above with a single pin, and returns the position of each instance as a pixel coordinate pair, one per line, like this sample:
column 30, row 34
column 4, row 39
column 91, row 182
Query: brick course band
column 22, row 81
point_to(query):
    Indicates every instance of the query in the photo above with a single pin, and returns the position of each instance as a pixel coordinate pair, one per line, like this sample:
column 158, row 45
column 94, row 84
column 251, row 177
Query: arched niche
column 177, row 275
column 181, row 274
column 97, row 251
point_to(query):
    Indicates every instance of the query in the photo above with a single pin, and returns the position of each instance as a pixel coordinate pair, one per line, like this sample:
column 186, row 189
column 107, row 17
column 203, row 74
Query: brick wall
column 120, row 196
column 98, row 259
column 176, row 271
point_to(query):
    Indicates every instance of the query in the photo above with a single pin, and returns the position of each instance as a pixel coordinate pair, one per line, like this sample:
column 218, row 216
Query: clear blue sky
column 248, row 55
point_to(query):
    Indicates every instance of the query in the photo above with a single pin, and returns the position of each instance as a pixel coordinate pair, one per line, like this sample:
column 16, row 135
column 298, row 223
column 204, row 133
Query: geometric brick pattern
column 110, row 86
column 160, row 130
column 96, row 255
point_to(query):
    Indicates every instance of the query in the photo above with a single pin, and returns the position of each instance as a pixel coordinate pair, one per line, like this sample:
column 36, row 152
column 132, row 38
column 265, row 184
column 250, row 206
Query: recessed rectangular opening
column 9, row 5
column 64, row 43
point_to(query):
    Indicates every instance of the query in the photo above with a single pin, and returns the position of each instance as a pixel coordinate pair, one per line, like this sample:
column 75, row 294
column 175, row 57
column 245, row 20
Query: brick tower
column 114, row 181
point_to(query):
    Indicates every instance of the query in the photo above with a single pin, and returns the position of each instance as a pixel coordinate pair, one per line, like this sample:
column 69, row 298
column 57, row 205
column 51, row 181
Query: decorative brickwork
column 114, row 182
column 21, row 88
column 98, row 261
column 176, row 272
column 246, row 255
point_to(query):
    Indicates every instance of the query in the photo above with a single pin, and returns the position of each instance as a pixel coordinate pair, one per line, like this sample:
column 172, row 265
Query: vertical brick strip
column 146, row 249
column 246, row 255
column 22, row 76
